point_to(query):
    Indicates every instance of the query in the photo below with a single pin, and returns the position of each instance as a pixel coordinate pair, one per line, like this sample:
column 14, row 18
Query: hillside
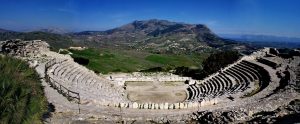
column 22, row 99
column 158, row 36
column 4, row 30
column 52, row 30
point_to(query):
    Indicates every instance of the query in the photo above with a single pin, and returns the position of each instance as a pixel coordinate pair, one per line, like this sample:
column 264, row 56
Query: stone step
column 253, row 70
column 64, row 67
column 68, row 68
column 250, row 71
column 236, row 75
column 222, row 83
column 216, row 84
column 246, row 73
column 70, row 73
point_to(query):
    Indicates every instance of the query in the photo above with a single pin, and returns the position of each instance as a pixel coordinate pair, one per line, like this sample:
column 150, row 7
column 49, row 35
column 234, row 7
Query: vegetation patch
column 118, row 60
column 155, row 69
column 81, row 60
column 22, row 98
column 210, row 65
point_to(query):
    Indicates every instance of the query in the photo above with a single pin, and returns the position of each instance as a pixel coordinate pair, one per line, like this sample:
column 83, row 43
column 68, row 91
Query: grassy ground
column 21, row 96
column 108, row 60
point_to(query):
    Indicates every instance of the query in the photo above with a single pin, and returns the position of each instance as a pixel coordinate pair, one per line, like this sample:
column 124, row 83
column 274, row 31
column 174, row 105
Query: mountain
column 156, row 36
column 265, row 40
column 4, row 30
column 160, row 36
column 52, row 30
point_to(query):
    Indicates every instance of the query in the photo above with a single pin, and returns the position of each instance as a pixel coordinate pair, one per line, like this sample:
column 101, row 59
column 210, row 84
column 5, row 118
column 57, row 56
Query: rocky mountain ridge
column 156, row 36
column 159, row 36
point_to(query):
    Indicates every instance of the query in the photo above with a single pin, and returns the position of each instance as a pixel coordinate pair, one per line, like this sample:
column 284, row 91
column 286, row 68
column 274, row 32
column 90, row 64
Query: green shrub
column 212, row 64
column 154, row 69
column 81, row 60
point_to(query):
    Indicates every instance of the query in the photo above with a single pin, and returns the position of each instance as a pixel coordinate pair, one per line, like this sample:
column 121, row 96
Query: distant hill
column 4, row 30
column 265, row 40
column 56, row 41
column 154, row 35
column 52, row 30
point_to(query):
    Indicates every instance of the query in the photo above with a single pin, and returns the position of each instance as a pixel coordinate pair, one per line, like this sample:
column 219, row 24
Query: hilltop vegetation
column 21, row 96
column 108, row 60
column 211, row 64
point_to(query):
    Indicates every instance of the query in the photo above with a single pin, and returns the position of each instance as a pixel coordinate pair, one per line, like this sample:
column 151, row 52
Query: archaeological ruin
column 256, row 83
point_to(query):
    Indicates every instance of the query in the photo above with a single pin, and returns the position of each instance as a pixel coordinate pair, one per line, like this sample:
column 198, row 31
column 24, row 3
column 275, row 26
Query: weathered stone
column 156, row 106
column 153, row 106
column 122, row 105
column 145, row 106
column 195, row 104
column 171, row 106
column 176, row 105
column 161, row 106
column 181, row 105
column 190, row 105
column 185, row 105
column 166, row 106
column 149, row 105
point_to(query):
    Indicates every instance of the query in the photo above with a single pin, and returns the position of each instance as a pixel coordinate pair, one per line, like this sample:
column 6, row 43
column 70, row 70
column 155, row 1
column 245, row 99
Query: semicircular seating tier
column 237, row 78
column 85, row 82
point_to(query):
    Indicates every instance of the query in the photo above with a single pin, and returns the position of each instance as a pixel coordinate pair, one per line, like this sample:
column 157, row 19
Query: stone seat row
column 74, row 73
column 234, row 79
column 83, row 81
column 85, row 92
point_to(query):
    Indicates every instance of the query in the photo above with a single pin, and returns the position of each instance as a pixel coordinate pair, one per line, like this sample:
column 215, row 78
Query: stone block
column 171, row 106
column 153, row 106
column 190, row 105
column 146, row 106
column 166, row 106
column 177, row 106
column 181, row 105
column 156, row 106
column 135, row 105
column 161, row 106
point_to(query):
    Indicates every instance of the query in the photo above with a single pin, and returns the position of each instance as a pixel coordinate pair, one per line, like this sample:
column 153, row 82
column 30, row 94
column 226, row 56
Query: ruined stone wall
column 23, row 48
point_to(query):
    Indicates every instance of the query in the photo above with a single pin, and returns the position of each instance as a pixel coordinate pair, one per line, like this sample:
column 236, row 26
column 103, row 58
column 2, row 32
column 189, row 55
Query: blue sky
column 273, row 17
